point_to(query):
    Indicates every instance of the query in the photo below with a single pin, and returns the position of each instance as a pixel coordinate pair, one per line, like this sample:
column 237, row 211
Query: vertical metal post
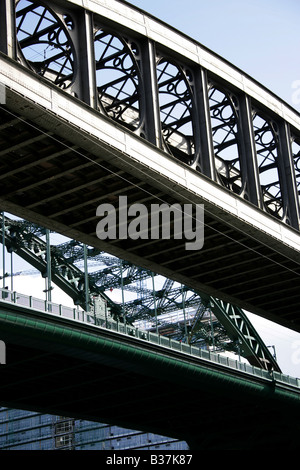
column 212, row 330
column 106, row 315
column 183, row 309
column 48, row 261
column 288, row 178
column 84, row 43
column 239, row 350
column 274, row 351
column 154, row 301
column 150, row 99
column 207, row 159
column 2, row 352
column 11, row 272
column 3, row 249
column 86, row 279
column 122, row 291
column 248, row 153
column 7, row 28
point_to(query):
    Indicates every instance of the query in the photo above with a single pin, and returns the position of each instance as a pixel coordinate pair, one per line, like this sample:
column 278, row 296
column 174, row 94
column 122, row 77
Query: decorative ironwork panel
column 224, row 122
column 118, row 78
column 296, row 159
column 176, row 110
column 267, row 145
column 45, row 43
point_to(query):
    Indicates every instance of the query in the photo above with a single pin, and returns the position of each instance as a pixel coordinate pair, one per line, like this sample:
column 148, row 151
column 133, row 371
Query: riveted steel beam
column 248, row 151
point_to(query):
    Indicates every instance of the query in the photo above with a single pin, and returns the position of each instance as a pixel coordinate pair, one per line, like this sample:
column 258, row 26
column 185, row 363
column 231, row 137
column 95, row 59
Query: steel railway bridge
column 100, row 101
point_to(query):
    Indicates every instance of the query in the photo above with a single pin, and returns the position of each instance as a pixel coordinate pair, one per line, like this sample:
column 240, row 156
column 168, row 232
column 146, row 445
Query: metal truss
column 198, row 118
column 172, row 310
column 239, row 327
column 25, row 240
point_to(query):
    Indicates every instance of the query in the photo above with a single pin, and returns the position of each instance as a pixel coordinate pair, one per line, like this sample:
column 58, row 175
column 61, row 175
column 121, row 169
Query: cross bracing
column 171, row 310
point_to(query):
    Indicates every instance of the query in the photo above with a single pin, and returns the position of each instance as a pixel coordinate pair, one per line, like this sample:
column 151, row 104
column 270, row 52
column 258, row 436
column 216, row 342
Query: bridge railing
column 80, row 315
column 28, row 301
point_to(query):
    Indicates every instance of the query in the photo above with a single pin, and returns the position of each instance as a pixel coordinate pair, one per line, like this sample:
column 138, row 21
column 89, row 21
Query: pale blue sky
column 261, row 37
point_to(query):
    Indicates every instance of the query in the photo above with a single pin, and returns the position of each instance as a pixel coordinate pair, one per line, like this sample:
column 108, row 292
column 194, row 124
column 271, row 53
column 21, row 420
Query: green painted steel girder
column 63, row 335
column 59, row 366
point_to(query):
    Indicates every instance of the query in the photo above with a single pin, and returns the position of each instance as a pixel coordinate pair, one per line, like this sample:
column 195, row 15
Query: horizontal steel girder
column 141, row 387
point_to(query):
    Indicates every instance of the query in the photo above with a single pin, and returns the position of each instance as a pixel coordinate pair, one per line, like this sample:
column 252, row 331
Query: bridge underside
column 56, row 175
column 75, row 372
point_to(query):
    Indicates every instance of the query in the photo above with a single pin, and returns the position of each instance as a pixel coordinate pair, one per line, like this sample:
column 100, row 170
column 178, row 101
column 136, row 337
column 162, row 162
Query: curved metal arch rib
column 70, row 279
column 239, row 327
column 160, row 92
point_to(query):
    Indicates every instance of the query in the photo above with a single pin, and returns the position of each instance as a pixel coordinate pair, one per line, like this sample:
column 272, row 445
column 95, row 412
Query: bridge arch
column 121, row 71
column 250, row 219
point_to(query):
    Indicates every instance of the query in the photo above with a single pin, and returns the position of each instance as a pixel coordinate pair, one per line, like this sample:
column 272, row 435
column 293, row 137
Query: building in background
column 25, row 430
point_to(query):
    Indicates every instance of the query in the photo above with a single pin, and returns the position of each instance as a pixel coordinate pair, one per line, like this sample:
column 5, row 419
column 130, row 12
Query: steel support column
column 48, row 287
column 288, row 178
column 88, row 87
column 3, row 250
column 7, row 28
column 152, row 117
column 207, row 160
column 248, row 152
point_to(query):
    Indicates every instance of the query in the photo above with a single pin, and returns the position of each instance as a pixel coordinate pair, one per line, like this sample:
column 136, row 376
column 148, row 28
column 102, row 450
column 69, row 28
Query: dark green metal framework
column 60, row 367
column 232, row 330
